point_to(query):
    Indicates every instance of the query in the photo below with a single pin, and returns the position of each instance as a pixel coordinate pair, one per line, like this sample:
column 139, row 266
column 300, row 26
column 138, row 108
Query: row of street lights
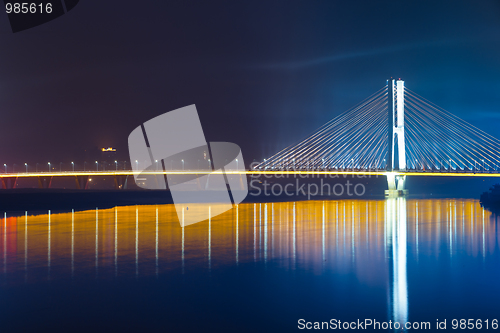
column 50, row 167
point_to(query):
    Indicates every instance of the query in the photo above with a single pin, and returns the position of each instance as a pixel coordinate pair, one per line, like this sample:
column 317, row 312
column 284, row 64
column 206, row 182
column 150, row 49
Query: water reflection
column 397, row 235
column 374, row 240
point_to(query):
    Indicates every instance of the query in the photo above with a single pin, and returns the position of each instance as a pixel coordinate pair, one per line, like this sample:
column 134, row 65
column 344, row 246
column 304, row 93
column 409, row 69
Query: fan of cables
column 355, row 140
column 435, row 139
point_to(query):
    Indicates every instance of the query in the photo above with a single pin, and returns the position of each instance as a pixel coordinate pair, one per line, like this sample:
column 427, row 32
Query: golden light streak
column 246, row 172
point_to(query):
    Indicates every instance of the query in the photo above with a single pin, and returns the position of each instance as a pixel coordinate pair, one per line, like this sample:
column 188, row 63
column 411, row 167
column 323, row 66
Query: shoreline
column 17, row 201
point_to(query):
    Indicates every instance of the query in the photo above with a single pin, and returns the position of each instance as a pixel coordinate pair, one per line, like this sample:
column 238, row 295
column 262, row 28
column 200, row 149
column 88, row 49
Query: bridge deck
column 248, row 172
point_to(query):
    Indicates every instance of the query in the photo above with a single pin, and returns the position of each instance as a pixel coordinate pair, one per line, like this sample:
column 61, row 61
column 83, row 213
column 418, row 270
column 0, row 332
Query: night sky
column 263, row 74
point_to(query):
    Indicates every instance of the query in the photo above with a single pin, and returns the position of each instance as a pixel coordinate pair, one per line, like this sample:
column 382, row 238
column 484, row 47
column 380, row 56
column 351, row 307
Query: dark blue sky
column 263, row 74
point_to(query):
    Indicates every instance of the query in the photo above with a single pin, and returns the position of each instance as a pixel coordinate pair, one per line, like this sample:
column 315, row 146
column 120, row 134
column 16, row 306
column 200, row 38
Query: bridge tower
column 396, row 156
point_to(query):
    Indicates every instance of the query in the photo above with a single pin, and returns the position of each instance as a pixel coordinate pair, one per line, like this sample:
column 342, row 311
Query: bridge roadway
column 251, row 172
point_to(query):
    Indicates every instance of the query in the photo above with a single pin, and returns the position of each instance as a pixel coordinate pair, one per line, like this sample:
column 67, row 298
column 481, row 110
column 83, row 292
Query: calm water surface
column 257, row 267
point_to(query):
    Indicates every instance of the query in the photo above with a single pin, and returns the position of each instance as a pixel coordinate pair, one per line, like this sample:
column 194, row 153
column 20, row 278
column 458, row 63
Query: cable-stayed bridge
column 395, row 132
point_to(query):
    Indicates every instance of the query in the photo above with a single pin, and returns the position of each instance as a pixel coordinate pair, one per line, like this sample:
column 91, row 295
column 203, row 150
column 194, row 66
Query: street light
column 136, row 164
column 26, row 165
column 182, row 165
column 237, row 164
column 116, row 165
column 49, row 166
column 73, row 165
column 5, row 165
column 97, row 165
column 483, row 166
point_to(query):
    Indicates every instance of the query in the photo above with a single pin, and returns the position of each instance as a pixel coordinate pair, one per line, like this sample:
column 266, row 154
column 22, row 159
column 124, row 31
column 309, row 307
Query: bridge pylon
column 396, row 156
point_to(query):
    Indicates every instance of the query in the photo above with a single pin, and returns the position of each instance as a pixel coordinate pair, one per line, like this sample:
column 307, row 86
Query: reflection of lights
column 136, row 241
column 209, row 238
column 294, row 233
column 307, row 236
column 183, row 241
column 96, row 238
column 49, row 243
column 72, row 241
column 237, row 234
column 116, row 241
column 265, row 232
column 254, row 230
column 323, row 233
column 156, row 242
column 396, row 230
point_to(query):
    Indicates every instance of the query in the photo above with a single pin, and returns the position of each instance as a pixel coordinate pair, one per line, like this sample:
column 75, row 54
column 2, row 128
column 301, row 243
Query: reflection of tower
column 396, row 233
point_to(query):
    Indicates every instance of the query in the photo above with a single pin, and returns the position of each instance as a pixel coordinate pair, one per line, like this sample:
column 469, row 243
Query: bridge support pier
column 120, row 182
column 8, row 183
column 396, row 185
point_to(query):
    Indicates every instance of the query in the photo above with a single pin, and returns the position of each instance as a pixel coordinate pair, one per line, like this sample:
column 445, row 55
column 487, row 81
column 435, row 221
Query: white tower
column 396, row 137
column 396, row 119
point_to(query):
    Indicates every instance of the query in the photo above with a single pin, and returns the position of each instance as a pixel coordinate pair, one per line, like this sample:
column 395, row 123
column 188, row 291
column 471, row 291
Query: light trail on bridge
column 246, row 172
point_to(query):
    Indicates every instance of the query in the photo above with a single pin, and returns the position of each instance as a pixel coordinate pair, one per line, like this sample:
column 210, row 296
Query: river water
column 263, row 266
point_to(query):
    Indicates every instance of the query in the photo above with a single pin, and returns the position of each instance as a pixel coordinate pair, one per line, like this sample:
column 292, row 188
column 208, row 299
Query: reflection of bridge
column 376, row 241
column 395, row 132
